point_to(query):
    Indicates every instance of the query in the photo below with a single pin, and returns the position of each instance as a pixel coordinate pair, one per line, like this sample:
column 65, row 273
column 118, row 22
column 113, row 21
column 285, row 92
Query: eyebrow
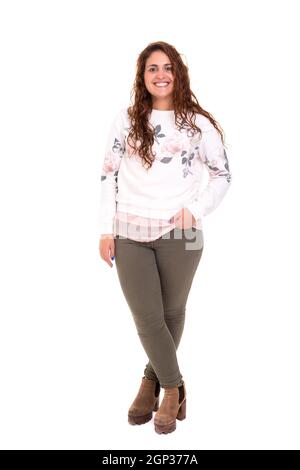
column 155, row 65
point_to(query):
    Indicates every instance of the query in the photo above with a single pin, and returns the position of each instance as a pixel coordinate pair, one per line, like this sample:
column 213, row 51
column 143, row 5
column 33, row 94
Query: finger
column 112, row 249
column 105, row 256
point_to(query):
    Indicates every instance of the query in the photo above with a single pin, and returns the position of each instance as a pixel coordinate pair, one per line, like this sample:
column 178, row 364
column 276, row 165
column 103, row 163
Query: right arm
column 114, row 150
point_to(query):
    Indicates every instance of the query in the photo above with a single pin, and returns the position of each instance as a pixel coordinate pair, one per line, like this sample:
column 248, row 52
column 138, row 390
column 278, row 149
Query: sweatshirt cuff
column 106, row 228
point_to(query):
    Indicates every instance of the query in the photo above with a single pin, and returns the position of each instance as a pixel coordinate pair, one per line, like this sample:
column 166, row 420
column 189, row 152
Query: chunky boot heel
column 182, row 411
column 146, row 401
column 172, row 406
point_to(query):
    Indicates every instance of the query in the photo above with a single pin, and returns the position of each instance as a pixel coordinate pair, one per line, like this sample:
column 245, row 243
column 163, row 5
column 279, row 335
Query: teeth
column 161, row 84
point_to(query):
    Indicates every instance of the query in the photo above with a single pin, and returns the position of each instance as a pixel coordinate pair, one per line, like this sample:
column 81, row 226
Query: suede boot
column 173, row 406
column 146, row 401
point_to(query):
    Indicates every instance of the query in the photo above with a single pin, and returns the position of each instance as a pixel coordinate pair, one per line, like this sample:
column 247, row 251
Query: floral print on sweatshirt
column 172, row 144
column 112, row 162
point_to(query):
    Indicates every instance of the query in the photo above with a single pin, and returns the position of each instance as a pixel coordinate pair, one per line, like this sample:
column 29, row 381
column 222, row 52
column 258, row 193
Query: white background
column 71, row 360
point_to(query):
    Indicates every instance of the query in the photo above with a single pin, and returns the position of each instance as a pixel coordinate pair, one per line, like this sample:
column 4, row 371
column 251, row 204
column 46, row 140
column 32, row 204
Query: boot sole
column 139, row 419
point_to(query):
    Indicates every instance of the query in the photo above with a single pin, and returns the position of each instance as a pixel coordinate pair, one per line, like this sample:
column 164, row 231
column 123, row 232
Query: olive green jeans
column 156, row 278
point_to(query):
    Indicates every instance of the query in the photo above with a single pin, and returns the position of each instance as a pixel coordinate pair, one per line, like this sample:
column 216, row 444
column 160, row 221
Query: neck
column 163, row 105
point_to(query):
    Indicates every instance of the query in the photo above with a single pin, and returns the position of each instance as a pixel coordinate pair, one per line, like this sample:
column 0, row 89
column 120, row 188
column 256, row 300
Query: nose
column 160, row 76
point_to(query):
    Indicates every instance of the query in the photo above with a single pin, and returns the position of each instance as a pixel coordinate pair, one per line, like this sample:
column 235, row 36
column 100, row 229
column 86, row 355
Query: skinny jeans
column 156, row 278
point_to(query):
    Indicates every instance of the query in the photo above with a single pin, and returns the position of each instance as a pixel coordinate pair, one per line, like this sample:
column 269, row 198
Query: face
column 159, row 80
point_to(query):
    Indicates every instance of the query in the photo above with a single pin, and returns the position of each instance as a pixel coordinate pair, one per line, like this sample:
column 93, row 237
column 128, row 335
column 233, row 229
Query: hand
column 107, row 247
column 183, row 219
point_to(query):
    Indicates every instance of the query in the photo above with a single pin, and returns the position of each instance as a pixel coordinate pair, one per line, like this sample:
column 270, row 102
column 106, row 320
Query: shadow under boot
column 173, row 406
column 146, row 401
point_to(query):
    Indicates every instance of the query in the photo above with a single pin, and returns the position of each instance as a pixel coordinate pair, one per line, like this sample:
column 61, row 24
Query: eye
column 168, row 67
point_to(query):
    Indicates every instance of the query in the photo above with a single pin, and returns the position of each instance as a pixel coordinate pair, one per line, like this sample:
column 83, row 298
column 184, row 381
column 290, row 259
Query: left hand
column 183, row 219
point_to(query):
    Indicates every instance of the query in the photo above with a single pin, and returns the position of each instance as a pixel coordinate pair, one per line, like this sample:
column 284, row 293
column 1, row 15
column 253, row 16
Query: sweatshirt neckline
column 163, row 110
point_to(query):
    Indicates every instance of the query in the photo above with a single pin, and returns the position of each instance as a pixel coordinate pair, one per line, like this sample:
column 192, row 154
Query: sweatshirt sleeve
column 213, row 154
column 114, row 150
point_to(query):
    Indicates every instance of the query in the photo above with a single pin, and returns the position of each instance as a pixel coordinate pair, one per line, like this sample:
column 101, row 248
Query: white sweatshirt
column 177, row 177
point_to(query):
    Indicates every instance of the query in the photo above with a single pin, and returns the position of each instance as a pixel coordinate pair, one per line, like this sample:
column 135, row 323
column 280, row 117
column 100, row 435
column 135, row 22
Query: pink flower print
column 172, row 145
column 219, row 167
column 110, row 163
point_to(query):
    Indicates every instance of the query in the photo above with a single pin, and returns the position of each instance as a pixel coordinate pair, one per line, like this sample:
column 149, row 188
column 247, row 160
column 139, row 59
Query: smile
column 161, row 84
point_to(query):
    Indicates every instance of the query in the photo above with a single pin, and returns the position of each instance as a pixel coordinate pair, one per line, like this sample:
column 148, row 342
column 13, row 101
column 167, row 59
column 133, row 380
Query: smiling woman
column 157, row 154
column 158, row 75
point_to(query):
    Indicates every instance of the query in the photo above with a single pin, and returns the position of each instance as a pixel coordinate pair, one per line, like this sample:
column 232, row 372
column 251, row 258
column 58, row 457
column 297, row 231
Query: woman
column 151, row 216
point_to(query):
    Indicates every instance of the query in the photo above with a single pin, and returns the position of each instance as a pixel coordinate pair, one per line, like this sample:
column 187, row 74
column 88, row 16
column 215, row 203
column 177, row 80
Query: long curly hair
column 184, row 100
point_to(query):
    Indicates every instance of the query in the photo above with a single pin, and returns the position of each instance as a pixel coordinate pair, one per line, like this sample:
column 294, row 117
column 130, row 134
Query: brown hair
column 185, row 102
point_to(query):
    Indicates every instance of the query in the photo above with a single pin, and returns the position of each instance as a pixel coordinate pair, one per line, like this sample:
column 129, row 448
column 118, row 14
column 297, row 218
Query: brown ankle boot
column 173, row 406
column 146, row 401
